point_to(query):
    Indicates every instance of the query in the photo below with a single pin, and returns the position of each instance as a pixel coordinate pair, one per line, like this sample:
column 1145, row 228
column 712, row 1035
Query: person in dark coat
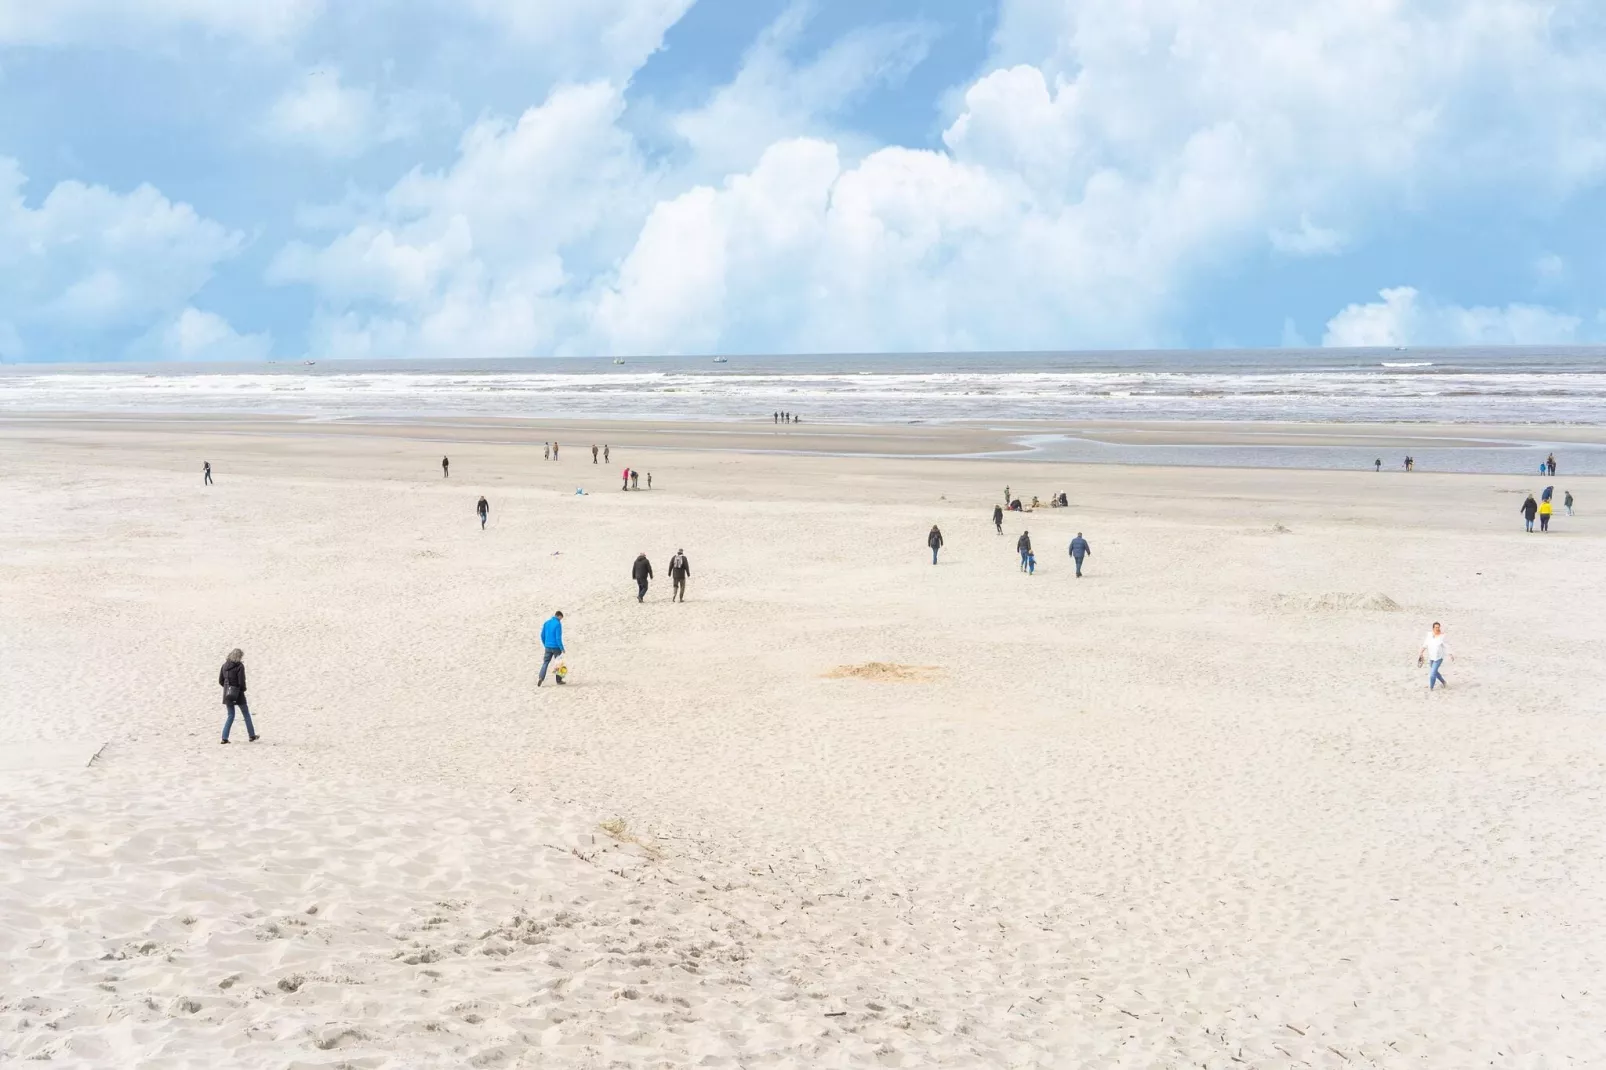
column 593, row 455
column 679, row 569
column 641, row 572
column 1529, row 509
column 1023, row 545
column 446, row 467
column 206, row 472
column 934, row 540
column 1079, row 550
column 231, row 678
column 484, row 511
column 998, row 518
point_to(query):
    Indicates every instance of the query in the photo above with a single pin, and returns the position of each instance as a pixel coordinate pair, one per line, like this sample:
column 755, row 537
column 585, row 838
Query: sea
column 1539, row 389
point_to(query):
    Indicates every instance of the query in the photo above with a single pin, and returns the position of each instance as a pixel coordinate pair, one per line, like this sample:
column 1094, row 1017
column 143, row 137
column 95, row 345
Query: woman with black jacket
column 232, row 679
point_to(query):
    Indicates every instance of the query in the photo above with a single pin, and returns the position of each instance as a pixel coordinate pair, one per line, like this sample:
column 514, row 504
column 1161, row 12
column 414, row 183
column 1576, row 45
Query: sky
column 318, row 179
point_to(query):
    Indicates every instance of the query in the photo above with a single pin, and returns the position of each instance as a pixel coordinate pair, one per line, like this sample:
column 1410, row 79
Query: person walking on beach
column 546, row 451
column 1434, row 651
column 593, row 454
column 1567, row 500
column 446, row 467
column 641, row 572
column 1079, row 550
column 206, row 473
column 1378, row 464
column 776, row 416
column 1529, row 509
column 484, row 511
column 934, row 540
column 1544, row 515
column 649, row 480
column 231, row 678
column 998, row 518
column 605, row 452
column 679, row 569
column 1007, row 498
column 554, row 451
column 1550, row 464
column 1023, row 546
column 552, row 643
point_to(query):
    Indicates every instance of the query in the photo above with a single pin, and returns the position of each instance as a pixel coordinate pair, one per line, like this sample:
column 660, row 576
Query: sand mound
column 1374, row 602
column 884, row 671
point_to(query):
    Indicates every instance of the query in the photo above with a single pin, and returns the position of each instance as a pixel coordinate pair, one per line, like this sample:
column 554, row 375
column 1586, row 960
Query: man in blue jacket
column 1079, row 550
column 552, row 639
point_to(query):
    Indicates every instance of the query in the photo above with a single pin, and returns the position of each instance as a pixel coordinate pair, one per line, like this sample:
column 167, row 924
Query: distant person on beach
column 1567, row 500
column 627, row 480
column 679, row 570
column 934, row 540
column 776, row 415
column 484, row 511
column 1079, row 550
column 546, row 451
column 1379, row 464
column 231, row 678
column 1031, row 564
column 605, row 452
column 1434, row 651
column 593, row 455
column 446, row 467
column 206, row 473
column 1544, row 515
column 1007, row 498
column 998, row 518
column 649, row 480
column 1550, row 464
column 552, row 643
column 1023, row 546
column 1529, row 509
column 554, row 451
column 641, row 572
column 635, row 480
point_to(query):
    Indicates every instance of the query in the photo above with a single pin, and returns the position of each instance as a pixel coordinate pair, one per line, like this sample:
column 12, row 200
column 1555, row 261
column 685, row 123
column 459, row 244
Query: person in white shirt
column 1434, row 651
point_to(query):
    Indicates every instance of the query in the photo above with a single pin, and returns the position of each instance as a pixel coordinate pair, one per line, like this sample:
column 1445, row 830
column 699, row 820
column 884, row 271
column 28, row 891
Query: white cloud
column 1308, row 240
column 89, row 260
column 336, row 119
column 56, row 22
column 343, row 121
column 1403, row 317
column 194, row 335
column 1550, row 268
column 772, row 98
column 595, row 39
column 473, row 260
column 1115, row 158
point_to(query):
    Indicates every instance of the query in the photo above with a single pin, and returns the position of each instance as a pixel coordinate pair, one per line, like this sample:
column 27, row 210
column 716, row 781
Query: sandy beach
column 841, row 808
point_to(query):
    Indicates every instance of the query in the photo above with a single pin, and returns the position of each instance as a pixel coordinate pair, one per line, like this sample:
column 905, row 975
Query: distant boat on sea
column 721, row 360
column 618, row 360
column 309, row 363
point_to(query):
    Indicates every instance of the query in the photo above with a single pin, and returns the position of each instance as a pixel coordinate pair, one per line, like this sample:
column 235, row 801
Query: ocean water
column 1537, row 387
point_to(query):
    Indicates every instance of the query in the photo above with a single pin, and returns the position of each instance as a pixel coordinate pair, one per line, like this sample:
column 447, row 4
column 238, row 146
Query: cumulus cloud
column 1404, row 317
column 486, row 247
column 57, row 22
column 774, row 97
column 1109, row 162
column 195, row 335
column 88, row 260
column 1308, row 240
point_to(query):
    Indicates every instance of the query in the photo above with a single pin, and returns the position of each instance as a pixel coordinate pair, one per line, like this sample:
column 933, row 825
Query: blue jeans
column 547, row 660
column 1023, row 561
column 1433, row 674
column 1078, row 559
column 933, row 555
column 228, row 722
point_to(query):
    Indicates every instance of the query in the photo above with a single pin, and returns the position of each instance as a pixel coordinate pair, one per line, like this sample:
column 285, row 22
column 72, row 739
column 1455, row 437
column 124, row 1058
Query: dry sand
column 1196, row 809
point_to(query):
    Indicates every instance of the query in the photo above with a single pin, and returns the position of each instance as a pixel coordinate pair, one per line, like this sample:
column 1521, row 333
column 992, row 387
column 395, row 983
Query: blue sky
column 209, row 180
